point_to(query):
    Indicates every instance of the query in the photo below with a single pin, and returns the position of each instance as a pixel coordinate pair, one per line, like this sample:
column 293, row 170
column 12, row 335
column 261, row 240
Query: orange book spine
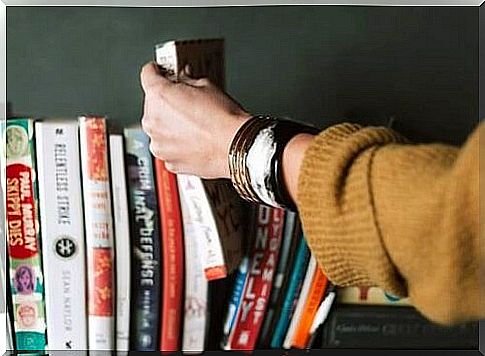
column 315, row 296
column 173, row 263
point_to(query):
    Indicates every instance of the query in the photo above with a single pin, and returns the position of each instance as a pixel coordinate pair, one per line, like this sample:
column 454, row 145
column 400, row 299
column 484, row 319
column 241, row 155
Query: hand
column 190, row 123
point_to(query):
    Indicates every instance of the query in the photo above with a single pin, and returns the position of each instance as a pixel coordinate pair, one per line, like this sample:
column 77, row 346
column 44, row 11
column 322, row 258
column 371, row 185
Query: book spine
column 146, row 274
column 173, row 263
column 229, row 212
column 364, row 326
column 281, row 272
column 9, row 346
column 300, row 302
column 62, row 225
column 196, row 284
column 235, row 301
column 23, row 235
column 322, row 313
column 205, row 227
column 263, row 260
column 5, row 297
column 99, row 232
column 122, row 241
column 218, row 300
column 315, row 295
column 9, row 308
column 299, row 269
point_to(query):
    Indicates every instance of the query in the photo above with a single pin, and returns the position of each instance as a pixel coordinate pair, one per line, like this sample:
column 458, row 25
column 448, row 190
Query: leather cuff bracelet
column 256, row 157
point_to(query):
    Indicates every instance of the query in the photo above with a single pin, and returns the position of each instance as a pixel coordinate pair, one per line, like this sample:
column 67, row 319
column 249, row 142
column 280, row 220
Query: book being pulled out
column 222, row 231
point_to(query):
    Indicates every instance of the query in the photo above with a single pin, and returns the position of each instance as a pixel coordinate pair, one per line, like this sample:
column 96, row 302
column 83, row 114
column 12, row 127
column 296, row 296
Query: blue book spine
column 299, row 268
column 146, row 249
column 237, row 292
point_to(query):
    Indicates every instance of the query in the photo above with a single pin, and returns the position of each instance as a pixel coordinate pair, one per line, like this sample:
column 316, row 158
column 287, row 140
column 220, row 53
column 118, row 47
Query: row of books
column 101, row 234
column 107, row 250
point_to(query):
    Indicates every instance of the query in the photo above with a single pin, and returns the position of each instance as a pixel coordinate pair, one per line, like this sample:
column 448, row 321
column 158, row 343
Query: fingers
column 146, row 125
column 150, row 77
column 155, row 150
column 171, row 166
column 171, row 162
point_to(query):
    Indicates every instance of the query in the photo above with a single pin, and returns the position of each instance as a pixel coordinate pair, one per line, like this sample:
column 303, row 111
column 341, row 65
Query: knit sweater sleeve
column 378, row 211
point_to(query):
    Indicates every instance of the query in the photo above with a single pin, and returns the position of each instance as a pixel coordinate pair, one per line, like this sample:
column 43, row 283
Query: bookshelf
column 317, row 64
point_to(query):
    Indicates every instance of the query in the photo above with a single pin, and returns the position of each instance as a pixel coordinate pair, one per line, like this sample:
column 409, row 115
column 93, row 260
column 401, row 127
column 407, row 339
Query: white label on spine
column 166, row 57
column 63, row 252
column 122, row 242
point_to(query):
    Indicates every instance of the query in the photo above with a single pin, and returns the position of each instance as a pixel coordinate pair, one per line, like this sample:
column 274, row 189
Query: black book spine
column 218, row 300
column 384, row 327
column 146, row 241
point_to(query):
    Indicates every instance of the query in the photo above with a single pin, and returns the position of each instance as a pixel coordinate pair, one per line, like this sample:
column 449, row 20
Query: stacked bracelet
column 256, row 156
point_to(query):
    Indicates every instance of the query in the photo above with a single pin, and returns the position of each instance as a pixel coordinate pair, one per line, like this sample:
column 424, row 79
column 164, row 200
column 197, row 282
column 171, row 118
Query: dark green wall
column 317, row 64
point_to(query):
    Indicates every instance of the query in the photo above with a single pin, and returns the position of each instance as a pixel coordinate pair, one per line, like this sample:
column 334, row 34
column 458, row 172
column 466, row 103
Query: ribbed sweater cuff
column 337, row 210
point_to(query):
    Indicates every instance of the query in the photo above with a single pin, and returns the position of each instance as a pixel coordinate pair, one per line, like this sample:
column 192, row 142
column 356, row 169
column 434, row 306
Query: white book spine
column 9, row 338
column 305, row 289
column 122, row 241
column 203, row 219
column 99, row 233
column 62, row 229
column 196, row 285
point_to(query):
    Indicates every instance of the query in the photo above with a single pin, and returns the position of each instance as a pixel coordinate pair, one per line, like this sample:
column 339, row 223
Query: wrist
column 293, row 155
column 235, row 123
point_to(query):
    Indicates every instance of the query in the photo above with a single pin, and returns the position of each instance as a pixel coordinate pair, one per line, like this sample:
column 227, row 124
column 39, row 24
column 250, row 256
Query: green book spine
column 23, row 234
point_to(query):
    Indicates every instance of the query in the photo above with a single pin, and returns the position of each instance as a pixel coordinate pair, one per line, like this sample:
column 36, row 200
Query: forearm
column 426, row 203
column 403, row 217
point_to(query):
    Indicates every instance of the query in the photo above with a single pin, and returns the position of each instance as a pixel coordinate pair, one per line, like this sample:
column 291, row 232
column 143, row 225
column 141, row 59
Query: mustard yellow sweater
column 377, row 210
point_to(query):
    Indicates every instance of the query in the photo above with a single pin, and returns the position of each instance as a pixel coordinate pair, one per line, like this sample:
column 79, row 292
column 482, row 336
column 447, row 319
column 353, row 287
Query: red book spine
column 173, row 263
column 262, row 267
column 99, row 232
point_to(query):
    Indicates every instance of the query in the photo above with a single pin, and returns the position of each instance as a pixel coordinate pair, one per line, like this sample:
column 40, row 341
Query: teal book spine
column 299, row 269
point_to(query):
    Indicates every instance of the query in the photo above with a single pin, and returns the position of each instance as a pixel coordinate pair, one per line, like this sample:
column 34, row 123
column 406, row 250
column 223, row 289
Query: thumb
column 150, row 77
column 186, row 77
column 201, row 82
